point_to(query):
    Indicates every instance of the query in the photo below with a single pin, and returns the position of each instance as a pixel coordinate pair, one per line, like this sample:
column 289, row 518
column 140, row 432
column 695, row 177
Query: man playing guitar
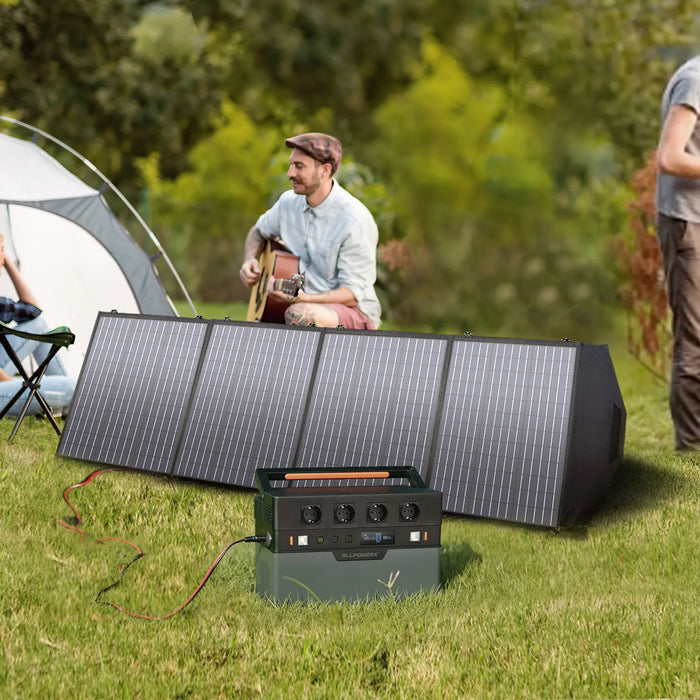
column 331, row 232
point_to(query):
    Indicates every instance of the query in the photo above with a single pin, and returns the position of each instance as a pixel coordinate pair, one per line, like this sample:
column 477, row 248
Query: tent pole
column 114, row 189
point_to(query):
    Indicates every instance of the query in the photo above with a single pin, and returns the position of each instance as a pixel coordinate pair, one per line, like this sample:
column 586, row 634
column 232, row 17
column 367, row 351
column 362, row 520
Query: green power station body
column 346, row 542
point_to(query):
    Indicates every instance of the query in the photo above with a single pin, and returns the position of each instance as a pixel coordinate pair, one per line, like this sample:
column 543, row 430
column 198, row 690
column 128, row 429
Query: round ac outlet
column 377, row 513
column 409, row 511
column 344, row 513
column 311, row 514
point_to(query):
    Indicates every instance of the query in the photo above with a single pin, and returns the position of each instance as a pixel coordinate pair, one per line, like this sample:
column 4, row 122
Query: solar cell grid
column 133, row 393
column 503, row 431
column 374, row 402
column 248, row 403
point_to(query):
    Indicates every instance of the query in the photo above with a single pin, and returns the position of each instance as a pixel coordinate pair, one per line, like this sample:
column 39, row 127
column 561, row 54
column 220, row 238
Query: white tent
column 70, row 248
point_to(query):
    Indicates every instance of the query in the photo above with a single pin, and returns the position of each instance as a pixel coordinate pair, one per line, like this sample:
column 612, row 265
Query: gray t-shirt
column 336, row 243
column 679, row 197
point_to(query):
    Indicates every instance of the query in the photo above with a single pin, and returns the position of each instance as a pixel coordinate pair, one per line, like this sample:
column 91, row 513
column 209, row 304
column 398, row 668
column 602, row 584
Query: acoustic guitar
column 275, row 261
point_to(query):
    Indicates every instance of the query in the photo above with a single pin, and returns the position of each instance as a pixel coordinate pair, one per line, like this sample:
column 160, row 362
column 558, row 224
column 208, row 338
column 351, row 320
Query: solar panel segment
column 248, row 403
column 132, row 398
column 373, row 402
column 503, row 435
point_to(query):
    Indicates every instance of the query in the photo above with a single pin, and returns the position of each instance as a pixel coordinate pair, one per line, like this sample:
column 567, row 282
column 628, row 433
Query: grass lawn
column 607, row 610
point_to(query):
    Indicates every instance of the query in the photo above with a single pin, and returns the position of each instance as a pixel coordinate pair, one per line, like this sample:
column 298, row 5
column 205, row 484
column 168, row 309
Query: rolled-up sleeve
column 18, row 311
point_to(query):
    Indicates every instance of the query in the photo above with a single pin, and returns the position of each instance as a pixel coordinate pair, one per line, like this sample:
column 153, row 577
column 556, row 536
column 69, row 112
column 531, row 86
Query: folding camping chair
column 58, row 338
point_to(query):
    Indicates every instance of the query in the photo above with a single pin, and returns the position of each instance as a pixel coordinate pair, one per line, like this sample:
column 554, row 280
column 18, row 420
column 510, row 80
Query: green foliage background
column 493, row 141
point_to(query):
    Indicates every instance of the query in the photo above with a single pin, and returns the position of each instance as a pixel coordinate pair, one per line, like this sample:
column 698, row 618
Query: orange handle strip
column 337, row 475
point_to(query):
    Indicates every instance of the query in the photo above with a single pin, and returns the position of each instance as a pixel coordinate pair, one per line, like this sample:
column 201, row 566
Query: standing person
column 331, row 232
column 25, row 312
column 678, row 227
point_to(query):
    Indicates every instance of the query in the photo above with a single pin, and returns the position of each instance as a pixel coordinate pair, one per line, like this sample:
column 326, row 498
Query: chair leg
column 32, row 383
column 23, row 413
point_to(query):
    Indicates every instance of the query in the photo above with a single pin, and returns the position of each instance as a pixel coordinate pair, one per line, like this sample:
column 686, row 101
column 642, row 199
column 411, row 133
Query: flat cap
column 321, row 147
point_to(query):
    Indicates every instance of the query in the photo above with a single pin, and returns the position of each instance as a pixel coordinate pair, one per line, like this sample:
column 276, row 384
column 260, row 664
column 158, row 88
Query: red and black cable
column 123, row 566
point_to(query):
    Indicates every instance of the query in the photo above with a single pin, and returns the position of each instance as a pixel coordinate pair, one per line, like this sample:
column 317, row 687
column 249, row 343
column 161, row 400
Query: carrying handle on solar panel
column 264, row 476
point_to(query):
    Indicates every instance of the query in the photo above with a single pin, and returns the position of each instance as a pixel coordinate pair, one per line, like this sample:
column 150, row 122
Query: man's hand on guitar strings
column 249, row 272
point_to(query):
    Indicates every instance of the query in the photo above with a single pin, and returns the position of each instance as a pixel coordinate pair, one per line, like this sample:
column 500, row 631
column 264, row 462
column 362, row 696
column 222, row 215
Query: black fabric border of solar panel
column 133, row 394
column 470, row 487
column 248, row 403
column 367, row 411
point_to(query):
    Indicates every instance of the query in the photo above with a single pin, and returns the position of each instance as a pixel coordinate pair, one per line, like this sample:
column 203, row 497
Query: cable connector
column 255, row 538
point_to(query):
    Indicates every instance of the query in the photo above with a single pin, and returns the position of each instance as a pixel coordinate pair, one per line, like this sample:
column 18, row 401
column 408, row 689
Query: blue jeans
column 58, row 392
column 23, row 348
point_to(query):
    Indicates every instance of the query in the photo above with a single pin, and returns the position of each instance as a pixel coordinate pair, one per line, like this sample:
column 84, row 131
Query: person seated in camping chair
column 56, row 386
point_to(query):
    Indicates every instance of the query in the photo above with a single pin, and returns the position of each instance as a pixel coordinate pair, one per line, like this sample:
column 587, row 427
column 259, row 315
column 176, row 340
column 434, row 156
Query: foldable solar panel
column 516, row 430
